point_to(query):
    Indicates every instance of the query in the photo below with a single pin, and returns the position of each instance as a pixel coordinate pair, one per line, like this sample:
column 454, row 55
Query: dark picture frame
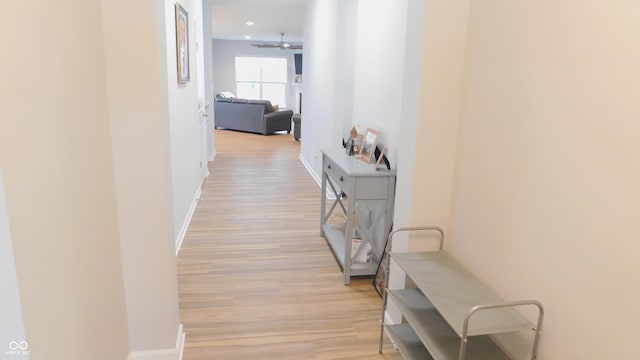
column 182, row 44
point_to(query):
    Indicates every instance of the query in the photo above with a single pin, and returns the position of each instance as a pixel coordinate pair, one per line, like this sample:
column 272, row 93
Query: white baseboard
column 310, row 170
column 329, row 194
column 212, row 155
column 187, row 221
column 182, row 336
column 162, row 354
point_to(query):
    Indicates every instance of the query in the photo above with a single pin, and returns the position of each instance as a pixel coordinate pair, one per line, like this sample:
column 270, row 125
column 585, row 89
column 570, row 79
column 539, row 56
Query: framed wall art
column 182, row 43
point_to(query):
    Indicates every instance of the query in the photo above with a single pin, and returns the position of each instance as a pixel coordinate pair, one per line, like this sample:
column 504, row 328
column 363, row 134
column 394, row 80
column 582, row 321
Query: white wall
column 224, row 68
column 12, row 325
column 541, row 137
column 372, row 72
column 354, row 76
column 141, row 131
column 207, row 46
column 319, row 64
column 444, row 40
column 546, row 197
column 406, row 149
column 55, row 154
column 379, row 80
column 89, row 176
column 369, row 71
column 184, row 119
column 345, row 65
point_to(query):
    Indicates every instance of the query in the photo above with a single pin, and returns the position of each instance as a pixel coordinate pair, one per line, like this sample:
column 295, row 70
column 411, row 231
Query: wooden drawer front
column 369, row 188
column 337, row 175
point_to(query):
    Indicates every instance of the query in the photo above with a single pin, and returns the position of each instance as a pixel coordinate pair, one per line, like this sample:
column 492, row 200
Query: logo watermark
column 18, row 348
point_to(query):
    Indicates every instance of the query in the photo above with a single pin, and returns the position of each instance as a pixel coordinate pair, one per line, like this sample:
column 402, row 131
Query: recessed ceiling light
column 249, row 23
column 247, row 37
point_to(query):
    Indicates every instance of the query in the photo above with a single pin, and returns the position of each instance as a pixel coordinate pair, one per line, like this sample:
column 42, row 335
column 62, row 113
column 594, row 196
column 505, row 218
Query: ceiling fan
column 281, row 45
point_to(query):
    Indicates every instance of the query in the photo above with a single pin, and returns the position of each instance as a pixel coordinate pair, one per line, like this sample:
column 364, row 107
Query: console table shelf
column 338, row 243
column 451, row 313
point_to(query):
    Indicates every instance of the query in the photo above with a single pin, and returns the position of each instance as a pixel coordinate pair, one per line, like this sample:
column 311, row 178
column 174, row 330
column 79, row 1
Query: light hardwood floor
column 256, row 279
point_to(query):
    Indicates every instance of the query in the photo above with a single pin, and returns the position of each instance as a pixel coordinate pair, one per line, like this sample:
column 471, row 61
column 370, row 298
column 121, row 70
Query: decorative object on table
column 352, row 144
column 382, row 158
column 182, row 43
column 338, row 220
column 369, row 144
column 356, row 132
column 356, row 146
column 348, row 146
column 360, row 251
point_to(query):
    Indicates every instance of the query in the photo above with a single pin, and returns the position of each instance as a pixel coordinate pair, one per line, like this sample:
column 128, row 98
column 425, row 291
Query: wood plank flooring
column 256, row 279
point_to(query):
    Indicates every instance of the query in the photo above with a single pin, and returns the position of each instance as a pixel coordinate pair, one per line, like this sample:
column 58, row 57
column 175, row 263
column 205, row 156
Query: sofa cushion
column 225, row 94
column 268, row 108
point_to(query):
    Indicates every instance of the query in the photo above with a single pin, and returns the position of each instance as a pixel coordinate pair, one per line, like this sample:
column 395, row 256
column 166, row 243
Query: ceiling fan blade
column 282, row 45
column 266, row 45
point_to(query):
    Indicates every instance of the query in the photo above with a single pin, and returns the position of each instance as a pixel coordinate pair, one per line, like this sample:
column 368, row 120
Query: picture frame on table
column 369, row 143
column 381, row 157
column 182, row 44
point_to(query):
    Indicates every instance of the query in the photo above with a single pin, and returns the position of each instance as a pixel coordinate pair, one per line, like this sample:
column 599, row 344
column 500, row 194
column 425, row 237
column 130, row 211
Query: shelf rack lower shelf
column 438, row 337
column 408, row 342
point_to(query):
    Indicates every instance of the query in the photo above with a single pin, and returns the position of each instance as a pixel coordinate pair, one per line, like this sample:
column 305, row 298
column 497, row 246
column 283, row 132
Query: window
column 262, row 78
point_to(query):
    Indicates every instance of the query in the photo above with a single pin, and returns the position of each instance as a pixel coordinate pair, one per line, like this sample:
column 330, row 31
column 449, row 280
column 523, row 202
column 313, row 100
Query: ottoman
column 296, row 118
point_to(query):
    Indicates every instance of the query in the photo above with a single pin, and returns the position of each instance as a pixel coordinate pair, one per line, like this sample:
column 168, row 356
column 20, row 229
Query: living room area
column 247, row 77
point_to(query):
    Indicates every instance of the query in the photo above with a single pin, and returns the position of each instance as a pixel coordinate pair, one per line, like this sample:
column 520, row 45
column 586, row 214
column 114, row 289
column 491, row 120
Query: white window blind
column 262, row 78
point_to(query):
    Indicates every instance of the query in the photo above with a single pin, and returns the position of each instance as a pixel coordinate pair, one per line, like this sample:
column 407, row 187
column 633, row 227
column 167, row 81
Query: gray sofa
column 255, row 116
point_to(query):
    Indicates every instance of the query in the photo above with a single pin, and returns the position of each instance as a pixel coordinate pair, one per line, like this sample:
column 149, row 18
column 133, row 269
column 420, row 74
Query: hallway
column 255, row 278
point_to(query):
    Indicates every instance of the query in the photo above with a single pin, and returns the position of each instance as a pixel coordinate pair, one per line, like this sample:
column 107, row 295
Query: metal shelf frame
column 451, row 304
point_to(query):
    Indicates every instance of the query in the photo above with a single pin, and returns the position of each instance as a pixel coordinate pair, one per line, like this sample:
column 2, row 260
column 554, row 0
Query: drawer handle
column 341, row 178
column 329, row 166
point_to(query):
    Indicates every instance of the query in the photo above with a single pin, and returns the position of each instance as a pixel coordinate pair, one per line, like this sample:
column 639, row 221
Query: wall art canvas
column 182, row 43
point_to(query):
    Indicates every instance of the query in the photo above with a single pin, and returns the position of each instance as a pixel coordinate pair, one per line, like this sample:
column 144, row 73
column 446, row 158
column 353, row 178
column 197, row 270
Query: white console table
column 370, row 196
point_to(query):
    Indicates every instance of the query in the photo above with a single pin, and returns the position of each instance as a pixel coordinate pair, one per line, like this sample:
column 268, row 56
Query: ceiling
column 270, row 17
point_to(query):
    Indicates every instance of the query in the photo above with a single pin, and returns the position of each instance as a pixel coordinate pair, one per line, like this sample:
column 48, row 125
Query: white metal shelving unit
column 451, row 314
